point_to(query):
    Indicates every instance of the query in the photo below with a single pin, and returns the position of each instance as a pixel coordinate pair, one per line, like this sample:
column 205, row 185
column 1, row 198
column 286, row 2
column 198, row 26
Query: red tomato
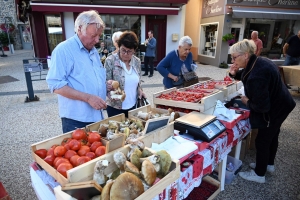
column 59, row 161
column 63, row 168
column 82, row 159
column 83, row 150
column 49, row 159
column 59, row 151
column 94, row 137
column 67, row 146
column 55, row 160
column 42, row 153
column 79, row 134
column 83, row 142
column 95, row 145
column 65, row 141
column 73, row 160
column 100, row 151
column 74, row 145
column 69, row 154
column 92, row 155
column 50, row 151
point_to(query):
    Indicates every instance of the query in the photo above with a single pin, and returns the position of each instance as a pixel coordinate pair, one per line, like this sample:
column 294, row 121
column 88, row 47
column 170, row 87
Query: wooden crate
column 115, row 143
column 205, row 103
column 150, row 124
column 213, row 182
column 85, row 172
column 46, row 144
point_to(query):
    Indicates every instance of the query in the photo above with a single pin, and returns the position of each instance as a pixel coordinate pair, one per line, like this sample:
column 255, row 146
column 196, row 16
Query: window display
column 208, row 39
column 116, row 23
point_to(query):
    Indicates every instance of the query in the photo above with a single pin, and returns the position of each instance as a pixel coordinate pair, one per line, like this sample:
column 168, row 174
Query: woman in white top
column 124, row 67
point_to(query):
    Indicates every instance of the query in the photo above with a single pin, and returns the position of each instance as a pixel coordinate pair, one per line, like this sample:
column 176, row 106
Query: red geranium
column 11, row 27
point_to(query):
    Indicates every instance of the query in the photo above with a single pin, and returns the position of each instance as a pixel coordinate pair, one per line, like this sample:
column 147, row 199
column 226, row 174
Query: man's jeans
column 289, row 60
column 70, row 124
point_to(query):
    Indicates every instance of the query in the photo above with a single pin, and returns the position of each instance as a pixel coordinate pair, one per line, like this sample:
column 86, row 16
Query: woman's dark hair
column 129, row 40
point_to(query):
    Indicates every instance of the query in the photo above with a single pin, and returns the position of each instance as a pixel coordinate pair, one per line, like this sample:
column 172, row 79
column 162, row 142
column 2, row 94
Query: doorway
column 25, row 36
column 158, row 24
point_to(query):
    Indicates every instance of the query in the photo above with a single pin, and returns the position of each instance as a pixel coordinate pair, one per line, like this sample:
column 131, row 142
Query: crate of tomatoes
column 63, row 155
column 187, row 99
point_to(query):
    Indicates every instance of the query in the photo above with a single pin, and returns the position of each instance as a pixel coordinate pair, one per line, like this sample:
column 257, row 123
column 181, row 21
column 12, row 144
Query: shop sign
column 212, row 8
column 266, row 3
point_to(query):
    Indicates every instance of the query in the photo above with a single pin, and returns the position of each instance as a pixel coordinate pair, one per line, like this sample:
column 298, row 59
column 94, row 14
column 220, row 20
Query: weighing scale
column 201, row 126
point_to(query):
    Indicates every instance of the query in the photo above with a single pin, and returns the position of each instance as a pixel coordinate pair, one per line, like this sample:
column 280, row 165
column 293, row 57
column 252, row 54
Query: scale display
column 200, row 126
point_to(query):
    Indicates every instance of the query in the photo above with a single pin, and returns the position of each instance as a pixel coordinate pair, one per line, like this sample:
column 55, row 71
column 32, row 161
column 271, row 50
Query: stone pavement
column 23, row 124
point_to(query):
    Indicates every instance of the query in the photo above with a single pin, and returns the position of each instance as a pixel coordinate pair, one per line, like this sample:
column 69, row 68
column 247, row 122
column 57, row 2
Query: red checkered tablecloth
column 209, row 159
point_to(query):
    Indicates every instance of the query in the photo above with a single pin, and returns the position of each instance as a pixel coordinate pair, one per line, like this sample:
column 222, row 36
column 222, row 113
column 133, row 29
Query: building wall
column 192, row 22
column 69, row 24
column 8, row 9
column 222, row 47
column 175, row 25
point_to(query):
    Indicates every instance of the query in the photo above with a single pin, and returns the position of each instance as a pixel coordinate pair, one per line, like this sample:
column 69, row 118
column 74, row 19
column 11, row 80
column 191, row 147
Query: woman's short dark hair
column 129, row 40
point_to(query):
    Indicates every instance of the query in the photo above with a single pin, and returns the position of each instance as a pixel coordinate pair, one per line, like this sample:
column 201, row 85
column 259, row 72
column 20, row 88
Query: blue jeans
column 289, row 60
column 70, row 124
column 111, row 111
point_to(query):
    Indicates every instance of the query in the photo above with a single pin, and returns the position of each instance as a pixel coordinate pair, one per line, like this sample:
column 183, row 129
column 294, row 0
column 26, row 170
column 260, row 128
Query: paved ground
column 23, row 124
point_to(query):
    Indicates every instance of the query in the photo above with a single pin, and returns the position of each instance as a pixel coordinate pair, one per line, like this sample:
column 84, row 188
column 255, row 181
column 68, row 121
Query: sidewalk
column 23, row 124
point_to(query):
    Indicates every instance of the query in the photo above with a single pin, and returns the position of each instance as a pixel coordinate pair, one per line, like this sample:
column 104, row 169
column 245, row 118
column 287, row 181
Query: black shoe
column 145, row 74
column 150, row 75
column 155, row 69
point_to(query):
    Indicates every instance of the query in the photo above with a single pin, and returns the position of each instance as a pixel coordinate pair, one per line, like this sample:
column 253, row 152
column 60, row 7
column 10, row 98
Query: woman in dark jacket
column 269, row 102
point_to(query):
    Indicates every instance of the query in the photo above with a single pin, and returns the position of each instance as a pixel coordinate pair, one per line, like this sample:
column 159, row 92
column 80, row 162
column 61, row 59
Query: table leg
column 238, row 150
column 222, row 170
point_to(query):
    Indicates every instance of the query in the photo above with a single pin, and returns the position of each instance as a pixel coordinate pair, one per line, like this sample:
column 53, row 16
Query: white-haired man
column 257, row 41
column 77, row 75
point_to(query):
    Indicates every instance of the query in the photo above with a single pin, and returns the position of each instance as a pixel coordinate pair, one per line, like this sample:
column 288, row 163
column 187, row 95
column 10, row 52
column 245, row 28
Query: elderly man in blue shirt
column 77, row 75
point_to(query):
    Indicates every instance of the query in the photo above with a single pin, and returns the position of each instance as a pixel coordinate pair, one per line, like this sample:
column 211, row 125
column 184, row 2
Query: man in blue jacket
column 150, row 53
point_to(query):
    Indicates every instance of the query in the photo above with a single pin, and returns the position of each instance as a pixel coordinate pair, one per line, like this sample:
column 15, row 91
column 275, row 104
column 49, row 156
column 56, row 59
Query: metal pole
column 29, row 83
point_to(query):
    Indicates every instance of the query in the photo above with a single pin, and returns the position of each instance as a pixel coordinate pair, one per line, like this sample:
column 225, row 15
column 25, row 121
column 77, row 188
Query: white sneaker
column 251, row 176
column 270, row 168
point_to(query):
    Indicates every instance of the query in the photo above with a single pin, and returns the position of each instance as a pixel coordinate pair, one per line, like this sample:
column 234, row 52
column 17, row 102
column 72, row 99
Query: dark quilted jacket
column 269, row 98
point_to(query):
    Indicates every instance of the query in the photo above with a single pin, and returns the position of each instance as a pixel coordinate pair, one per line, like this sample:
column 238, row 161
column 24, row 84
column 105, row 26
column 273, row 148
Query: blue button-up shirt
column 73, row 65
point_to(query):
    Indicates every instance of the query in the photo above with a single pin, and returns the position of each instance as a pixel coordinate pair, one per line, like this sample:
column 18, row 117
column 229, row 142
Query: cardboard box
column 206, row 102
column 46, row 144
column 253, row 135
column 244, row 148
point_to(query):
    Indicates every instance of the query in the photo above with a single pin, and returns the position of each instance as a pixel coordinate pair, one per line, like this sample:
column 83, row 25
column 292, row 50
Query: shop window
column 54, row 31
column 114, row 23
column 208, row 39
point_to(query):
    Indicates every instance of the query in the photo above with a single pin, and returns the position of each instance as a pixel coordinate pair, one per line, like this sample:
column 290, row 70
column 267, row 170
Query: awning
column 265, row 13
column 107, row 9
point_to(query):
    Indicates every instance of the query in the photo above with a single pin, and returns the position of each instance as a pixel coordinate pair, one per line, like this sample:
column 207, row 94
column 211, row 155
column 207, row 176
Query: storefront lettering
column 257, row 1
column 269, row 2
column 212, row 2
column 212, row 8
column 287, row 2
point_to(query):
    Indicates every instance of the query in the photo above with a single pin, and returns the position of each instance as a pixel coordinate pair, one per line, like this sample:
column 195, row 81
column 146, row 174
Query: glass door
column 54, row 31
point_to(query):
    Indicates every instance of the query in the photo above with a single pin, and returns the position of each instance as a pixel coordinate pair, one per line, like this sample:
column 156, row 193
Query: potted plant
column 4, row 39
column 11, row 27
column 229, row 38
column 223, row 65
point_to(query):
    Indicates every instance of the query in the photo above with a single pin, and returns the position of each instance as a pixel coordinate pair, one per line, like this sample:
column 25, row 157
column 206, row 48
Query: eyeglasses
column 128, row 52
column 235, row 57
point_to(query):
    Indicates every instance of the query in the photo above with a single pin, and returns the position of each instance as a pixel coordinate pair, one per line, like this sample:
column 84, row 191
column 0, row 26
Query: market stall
column 193, row 158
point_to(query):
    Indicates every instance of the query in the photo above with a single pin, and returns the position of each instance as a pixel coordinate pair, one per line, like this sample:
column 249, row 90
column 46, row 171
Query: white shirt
column 130, row 88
